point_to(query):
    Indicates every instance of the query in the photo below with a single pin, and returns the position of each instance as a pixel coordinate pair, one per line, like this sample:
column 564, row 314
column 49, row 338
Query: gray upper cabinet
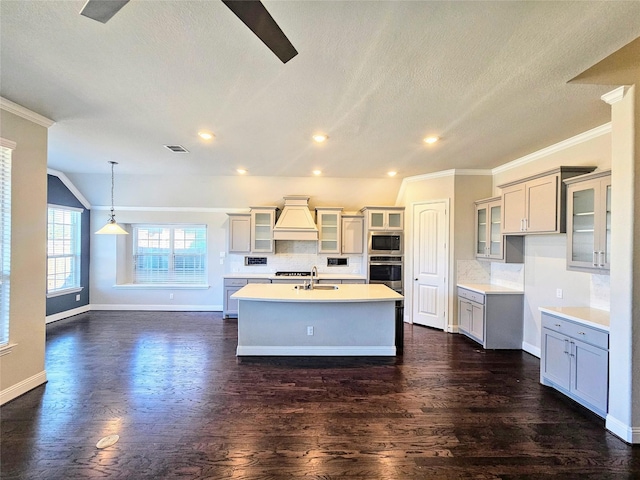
column 329, row 223
column 384, row 218
column 491, row 244
column 239, row 232
column 352, row 234
column 589, row 222
column 488, row 228
column 263, row 219
column 537, row 204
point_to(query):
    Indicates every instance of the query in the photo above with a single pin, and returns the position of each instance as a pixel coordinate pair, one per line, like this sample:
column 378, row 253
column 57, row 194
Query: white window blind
column 170, row 254
column 5, row 239
column 63, row 248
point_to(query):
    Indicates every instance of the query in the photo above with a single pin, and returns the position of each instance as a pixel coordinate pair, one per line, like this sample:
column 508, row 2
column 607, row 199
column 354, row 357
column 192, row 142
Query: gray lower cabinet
column 231, row 286
column 494, row 320
column 574, row 359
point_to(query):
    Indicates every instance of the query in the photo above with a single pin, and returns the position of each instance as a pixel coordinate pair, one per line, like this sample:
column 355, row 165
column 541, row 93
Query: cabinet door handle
column 581, row 333
column 522, row 224
column 573, row 346
column 526, row 224
column 559, row 325
column 602, row 259
column 595, row 259
column 566, row 344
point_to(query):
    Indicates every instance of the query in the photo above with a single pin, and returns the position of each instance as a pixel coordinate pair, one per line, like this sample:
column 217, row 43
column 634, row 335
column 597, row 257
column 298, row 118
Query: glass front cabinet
column 589, row 222
column 263, row 220
column 488, row 228
column 329, row 223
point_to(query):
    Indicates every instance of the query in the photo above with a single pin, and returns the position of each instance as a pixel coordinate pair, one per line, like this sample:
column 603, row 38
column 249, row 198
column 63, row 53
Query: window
column 170, row 254
column 5, row 241
column 63, row 250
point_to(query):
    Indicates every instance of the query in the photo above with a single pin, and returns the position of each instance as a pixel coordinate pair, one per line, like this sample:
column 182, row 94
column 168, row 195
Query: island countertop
column 270, row 292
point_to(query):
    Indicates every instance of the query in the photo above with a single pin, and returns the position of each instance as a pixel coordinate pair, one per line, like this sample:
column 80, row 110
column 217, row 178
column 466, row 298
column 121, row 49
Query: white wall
column 105, row 249
column 23, row 368
column 188, row 191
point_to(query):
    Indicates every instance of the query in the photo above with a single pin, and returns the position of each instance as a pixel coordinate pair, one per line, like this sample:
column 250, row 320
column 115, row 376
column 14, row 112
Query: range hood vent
column 295, row 222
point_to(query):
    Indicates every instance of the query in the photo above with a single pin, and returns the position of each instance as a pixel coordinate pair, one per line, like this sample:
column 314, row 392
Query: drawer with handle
column 470, row 295
column 576, row 330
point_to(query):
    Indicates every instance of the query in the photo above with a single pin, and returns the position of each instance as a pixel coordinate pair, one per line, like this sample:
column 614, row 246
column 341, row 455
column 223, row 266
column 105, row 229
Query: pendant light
column 112, row 228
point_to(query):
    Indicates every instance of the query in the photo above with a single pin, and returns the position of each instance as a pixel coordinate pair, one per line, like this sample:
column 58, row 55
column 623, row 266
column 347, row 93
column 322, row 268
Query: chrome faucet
column 314, row 273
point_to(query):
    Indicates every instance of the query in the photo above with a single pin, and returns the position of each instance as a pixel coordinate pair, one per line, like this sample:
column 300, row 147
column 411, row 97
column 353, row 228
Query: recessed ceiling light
column 392, row 173
column 206, row 135
column 317, row 172
column 241, row 171
column 431, row 139
column 320, row 137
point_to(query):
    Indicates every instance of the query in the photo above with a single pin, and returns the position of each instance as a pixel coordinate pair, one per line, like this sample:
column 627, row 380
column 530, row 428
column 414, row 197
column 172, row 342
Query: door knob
column 416, row 279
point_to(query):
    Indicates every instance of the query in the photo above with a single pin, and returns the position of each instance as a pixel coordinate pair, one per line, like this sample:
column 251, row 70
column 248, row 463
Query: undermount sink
column 316, row 287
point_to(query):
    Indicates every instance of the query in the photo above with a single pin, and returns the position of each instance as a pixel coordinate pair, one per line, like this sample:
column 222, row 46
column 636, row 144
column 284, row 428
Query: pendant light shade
column 112, row 228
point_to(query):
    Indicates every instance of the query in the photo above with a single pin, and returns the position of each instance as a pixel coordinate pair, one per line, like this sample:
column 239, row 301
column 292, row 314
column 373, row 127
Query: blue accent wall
column 59, row 194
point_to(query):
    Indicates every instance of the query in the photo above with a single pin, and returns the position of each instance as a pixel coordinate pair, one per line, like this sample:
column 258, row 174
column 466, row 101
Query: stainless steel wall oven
column 386, row 269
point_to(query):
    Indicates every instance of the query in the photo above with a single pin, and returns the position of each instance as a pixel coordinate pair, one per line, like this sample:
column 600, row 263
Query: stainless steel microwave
column 385, row 243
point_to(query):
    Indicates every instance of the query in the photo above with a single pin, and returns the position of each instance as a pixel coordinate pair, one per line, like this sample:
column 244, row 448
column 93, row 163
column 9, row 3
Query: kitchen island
column 340, row 320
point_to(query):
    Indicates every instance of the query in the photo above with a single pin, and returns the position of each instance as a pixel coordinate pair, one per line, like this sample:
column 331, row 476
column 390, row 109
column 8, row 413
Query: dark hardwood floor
column 170, row 386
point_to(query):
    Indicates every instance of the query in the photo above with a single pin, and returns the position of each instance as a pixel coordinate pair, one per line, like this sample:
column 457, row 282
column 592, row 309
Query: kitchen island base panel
column 339, row 329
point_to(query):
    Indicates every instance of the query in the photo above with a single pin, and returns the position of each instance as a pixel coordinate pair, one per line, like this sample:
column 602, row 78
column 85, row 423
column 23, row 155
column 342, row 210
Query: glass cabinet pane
column 482, row 231
column 377, row 220
column 583, row 234
column 496, row 237
column 395, row 220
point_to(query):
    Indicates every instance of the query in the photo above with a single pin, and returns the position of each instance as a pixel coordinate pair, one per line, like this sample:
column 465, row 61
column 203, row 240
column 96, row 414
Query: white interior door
column 430, row 265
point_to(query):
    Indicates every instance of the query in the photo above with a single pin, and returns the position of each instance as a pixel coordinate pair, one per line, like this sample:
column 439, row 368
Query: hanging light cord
column 112, row 219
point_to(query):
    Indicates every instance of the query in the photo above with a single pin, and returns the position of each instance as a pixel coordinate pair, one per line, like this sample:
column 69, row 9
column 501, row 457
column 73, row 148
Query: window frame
column 172, row 275
column 6, row 151
column 76, row 250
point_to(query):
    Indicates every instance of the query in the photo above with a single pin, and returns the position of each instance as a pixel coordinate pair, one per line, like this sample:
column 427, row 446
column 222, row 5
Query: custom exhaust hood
column 296, row 221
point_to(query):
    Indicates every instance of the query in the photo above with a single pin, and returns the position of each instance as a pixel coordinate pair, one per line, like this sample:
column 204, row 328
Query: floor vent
column 177, row 148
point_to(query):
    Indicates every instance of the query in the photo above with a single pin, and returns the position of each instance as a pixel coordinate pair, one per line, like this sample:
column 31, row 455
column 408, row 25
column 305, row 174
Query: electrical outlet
column 309, row 330
column 171, row 296
column 78, row 298
column 559, row 292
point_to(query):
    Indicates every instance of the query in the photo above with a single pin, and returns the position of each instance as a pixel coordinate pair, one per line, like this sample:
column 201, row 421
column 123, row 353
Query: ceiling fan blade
column 102, row 10
column 255, row 16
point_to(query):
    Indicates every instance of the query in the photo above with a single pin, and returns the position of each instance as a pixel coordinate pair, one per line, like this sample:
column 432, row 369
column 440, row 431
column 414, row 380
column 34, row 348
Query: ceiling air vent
column 177, row 148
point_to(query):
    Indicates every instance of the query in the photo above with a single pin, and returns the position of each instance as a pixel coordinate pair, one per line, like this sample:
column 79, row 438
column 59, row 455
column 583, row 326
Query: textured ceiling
column 490, row 78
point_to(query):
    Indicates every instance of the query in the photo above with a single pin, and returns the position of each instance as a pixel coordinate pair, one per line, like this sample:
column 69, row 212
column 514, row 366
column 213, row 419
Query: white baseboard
column 159, row 308
column 532, row 349
column 66, row 314
column 625, row 432
column 22, row 387
column 247, row 350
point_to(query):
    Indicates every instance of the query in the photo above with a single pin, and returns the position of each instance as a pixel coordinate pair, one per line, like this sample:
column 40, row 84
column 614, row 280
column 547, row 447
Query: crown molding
column 72, row 188
column 23, row 112
column 558, row 147
column 7, row 144
column 614, row 96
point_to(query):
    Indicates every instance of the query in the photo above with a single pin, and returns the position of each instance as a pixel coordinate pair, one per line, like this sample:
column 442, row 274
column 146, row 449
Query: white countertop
column 592, row 317
column 486, row 288
column 321, row 276
column 271, row 292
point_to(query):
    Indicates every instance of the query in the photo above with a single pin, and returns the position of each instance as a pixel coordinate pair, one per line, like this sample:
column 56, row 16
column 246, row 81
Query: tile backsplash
column 473, row 271
column 600, row 292
column 296, row 256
